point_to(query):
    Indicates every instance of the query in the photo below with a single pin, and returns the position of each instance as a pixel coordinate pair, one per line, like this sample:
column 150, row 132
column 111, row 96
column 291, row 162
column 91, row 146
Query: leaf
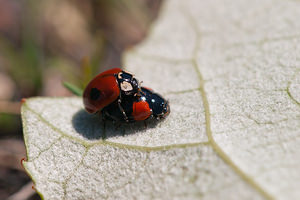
column 230, row 70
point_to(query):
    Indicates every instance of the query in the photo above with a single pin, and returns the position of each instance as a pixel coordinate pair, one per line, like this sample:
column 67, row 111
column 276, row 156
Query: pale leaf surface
column 231, row 71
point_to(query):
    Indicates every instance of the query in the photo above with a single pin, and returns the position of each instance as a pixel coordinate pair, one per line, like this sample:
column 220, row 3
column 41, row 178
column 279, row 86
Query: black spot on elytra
column 95, row 94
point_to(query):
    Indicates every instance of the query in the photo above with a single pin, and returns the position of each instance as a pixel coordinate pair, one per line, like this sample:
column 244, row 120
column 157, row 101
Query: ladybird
column 147, row 104
column 107, row 87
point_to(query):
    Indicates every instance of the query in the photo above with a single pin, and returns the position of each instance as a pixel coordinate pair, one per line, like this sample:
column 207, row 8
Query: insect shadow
column 92, row 127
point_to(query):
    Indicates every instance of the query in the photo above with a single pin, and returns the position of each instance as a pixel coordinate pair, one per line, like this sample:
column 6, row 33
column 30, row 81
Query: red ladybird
column 107, row 87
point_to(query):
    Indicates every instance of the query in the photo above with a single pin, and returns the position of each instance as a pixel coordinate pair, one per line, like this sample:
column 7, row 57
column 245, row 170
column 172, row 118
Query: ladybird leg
column 122, row 110
column 145, row 124
column 117, row 125
column 104, row 126
column 143, row 93
column 123, row 132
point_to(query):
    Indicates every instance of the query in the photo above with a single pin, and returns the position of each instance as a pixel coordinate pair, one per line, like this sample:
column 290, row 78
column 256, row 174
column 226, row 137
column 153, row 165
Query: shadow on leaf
column 91, row 126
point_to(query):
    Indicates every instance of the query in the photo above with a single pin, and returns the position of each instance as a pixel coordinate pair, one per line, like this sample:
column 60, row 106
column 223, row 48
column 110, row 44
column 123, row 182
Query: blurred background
column 42, row 44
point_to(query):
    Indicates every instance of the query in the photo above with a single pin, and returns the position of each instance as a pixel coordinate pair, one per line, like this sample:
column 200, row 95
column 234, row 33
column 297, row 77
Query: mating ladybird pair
column 118, row 95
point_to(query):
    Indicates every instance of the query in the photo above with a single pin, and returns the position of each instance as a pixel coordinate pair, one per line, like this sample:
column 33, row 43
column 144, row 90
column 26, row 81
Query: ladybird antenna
column 141, row 82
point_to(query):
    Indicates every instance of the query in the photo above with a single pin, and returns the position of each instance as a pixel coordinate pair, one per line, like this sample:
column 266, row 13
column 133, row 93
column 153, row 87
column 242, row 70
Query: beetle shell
column 101, row 91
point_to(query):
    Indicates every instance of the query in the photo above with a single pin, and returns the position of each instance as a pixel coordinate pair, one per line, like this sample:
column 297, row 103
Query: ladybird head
column 129, row 85
column 166, row 110
column 161, row 107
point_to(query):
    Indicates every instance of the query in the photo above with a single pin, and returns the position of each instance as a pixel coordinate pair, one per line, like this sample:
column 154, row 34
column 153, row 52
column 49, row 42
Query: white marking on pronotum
column 119, row 75
column 125, row 86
